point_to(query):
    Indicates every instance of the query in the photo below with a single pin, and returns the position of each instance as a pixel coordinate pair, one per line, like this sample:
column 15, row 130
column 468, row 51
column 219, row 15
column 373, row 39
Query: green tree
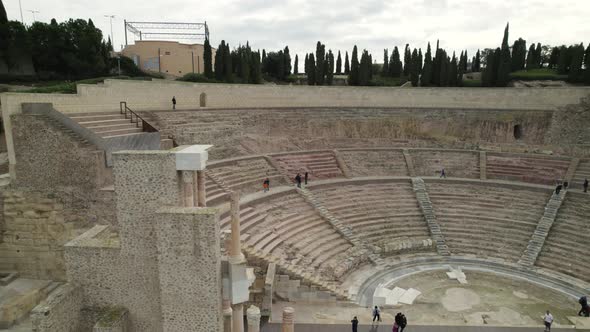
column 476, row 65
column 530, row 59
column 219, row 61
column 453, row 72
column 330, row 69
column 564, row 60
column 227, row 65
column 3, row 16
column 256, row 74
column 312, row 70
column 320, row 58
column 554, row 57
column 346, row 65
column 575, row 68
column 295, row 67
column 385, row 68
column 519, row 54
column 353, row 76
column 287, row 62
column 339, row 64
column 407, row 60
column 427, row 69
column 539, row 55
column 208, row 59
column 505, row 65
column 395, row 64
column 490, row 72
column 263, row 60
column 587, row 65
column 414, row 71
column 364, row 68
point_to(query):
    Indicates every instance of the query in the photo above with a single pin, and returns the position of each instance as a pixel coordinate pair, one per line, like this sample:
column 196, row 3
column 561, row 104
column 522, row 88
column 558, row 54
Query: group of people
column 565, row 185
column 299, row 179
column 398, row 326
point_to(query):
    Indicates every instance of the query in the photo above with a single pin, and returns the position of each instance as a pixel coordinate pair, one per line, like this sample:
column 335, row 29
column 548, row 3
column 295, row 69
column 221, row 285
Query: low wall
column 61, row 311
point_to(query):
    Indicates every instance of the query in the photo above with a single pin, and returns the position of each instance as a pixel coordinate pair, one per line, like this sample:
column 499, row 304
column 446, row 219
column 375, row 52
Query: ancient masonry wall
column 61, row 311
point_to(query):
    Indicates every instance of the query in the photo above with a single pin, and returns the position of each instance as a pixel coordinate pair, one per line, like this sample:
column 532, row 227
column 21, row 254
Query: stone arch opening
column 203, row 100
column 517, row 131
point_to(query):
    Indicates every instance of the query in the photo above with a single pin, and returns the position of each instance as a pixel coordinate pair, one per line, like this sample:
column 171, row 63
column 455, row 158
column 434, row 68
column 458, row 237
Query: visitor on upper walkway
column 400, row 320
column 266, row 185
column 548, row 320
column 306, row 177
column 173, row 102
column 585, row 185
column 585, row 310
column 355, row 324
column 443, row 174
column 558, row 189
column 376, row 314
column 298, row 180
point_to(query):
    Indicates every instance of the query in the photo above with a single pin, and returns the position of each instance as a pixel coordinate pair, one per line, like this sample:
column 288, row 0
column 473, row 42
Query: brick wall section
column 34, row 234
column 61, row 311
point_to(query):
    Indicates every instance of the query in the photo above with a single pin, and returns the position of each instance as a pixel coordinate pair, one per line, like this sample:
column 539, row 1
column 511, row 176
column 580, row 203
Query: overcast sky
column 339, row 24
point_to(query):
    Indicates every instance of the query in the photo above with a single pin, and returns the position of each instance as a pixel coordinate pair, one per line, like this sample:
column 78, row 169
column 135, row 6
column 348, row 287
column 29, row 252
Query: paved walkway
column 387, row 328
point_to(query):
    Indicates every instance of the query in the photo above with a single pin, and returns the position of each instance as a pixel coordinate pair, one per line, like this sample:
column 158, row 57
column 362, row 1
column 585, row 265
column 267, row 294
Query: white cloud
column 370, row 24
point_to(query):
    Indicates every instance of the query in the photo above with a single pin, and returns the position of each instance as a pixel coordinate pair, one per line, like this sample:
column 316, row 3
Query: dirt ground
column 487, row 299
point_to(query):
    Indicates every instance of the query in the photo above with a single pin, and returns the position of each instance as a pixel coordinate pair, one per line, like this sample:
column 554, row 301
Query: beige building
column 167, row 57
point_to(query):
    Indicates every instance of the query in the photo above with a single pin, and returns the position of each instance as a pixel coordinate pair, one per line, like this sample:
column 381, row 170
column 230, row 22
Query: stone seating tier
column 376, row 212
column 582, row 172
column 486, row 221
column 215, row 194
column 246, row 175
column 566, row 248
column 320, row 165
column 375, row 163
column 456, row 164
column 526, row 169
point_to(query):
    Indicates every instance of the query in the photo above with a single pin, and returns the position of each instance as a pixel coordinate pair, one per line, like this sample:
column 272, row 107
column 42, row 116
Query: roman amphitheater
column 118, row 213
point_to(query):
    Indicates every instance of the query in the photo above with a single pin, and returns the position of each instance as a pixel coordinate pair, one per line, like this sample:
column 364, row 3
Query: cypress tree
column 280, row 69
column 364, row 69
column 256, row 75
column 320, row 55
column 407, row 60
column 312, row 71
column 296, row 66
column 370, row 66
column 519, row 54
column 575, row 68
column 563, row 61
column 339, row 64
column 244, row 67
column 539, row 55
column 3, row 16
column 504, row 66
column 219, row 58
column 287, row 62
column 530, row 59
column 227, row 65
column 587, row 65
column 414, row 72
column 476, row 66
column 330, row 65
column 444, row 68
column 554, row 57
column 453, row 71
column 207, row 59
column 385, row 68
column 395, row 64
column 427, row 69
column 263, row 61
column 465, row 69
column 353, row 76
column 346, row 64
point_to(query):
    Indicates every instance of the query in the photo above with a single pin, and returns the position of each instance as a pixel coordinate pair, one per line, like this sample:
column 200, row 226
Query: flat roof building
column 167, row 57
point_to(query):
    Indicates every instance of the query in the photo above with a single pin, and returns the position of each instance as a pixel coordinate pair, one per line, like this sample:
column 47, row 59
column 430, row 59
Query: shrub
column 197, row 78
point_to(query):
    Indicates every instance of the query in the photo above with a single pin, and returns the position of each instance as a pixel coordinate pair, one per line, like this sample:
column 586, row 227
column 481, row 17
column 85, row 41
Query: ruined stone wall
column 243, row 132
column 61, row 311
column 35, row 231
column 570, row 128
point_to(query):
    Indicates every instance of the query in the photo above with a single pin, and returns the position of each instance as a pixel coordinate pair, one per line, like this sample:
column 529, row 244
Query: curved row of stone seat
column 486, row 220
column 457, row 164
column 532, row 169
column 319, row 165
column 286, row 227
column 582, row 173
column 566, row 248
column 245, row 174
column 376, row 211
column 374, row 162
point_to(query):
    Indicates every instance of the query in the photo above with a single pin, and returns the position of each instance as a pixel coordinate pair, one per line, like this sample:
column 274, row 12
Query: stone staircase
column 429, row 215
column 529, row 257
column 106, row 124
column 340, row 227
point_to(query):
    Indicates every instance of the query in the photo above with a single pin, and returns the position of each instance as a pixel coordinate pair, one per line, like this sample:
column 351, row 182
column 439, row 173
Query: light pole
column 34, row 12
column 20, row 5
column 111, row 17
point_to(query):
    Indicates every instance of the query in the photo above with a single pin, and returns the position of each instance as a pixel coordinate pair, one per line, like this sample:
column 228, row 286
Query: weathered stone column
column 188, row 189
column 201, row 191
column 238, row 318
column 253, row 314
column 288, row 320
column 227, row 316
column 236, row 256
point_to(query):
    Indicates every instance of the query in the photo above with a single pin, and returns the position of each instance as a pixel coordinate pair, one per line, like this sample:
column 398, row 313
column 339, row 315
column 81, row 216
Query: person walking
column 585, row 185
column 565, row 185
column 376, row 314
column 306, row 177
column 403, row 323
column 173, row 102
column 558, row 189
column 395, row 328
column 298, row 180
column 443, row 174
column 548, row 320
column 585, row 310
column 266, row 185
column 355, row 324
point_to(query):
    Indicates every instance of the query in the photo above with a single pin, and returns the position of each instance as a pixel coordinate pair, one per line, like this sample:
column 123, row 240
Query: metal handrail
column 145, row 126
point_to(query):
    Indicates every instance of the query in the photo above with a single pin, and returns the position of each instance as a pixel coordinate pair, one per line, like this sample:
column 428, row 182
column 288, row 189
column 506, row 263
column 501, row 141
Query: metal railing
column 135, row 118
